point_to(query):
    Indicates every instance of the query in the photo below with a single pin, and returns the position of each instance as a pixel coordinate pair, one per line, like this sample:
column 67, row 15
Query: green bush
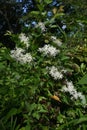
column 40, row 80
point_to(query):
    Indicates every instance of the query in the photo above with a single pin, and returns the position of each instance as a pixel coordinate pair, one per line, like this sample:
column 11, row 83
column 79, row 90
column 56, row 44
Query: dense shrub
column 42, row 80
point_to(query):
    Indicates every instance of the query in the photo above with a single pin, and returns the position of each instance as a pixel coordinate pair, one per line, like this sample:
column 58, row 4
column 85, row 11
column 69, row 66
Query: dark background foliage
column 15, row 15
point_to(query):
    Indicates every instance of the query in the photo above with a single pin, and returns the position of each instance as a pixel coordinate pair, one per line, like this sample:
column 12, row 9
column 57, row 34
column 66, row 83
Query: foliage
column 33, row 92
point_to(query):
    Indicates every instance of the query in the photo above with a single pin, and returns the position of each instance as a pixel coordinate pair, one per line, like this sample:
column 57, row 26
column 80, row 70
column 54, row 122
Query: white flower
column 74, row 94
column 17, row 52
column 49, row 50
column 82, row 97
column 53, row 38
column 42, row 26
column 53, row 71
column 64, row 70
column 24, row 39
column 20, row 55
column 70, row 88
column 56, row 41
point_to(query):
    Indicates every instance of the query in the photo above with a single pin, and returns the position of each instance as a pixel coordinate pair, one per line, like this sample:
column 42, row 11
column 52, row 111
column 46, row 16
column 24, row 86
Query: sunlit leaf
column 61, row 8
column 54, row 10
column 56, row 98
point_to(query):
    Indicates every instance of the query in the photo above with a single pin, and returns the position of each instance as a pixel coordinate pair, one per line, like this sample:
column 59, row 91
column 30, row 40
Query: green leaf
column 27, row 127
column 36, row 115
column 53, row 26
column 47, row 1
column 74, row 122
column 83, row 80
column 64, row 58
column 23, row 128
column 2, row 66
column 58, row 15
column 12, row 112
column 41, row 7
column 82, row 119
column 45, row 128
column 35, row 13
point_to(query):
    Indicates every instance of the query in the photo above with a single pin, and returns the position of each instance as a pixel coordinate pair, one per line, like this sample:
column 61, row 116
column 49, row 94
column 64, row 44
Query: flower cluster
column 56, row 41
column 49, row 50
column 20, row 55
column 42, row 26
column 53, row 71
column 24, row 39
column 74, row 94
